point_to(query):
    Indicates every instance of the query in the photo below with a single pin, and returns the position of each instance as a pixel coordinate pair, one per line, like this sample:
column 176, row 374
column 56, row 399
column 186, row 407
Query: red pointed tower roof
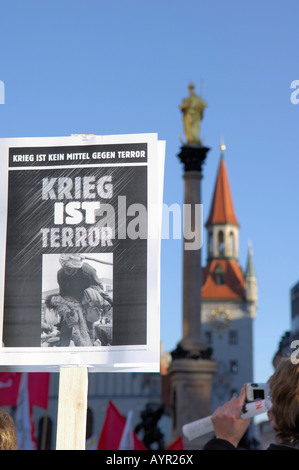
column 222, row 209
column 222, row 212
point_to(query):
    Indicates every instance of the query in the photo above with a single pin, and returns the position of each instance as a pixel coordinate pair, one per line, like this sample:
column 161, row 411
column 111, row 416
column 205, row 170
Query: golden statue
column 192, row 109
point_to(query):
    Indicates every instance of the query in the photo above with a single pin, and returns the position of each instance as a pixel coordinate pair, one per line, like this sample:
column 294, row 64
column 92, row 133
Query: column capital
column 193, row 157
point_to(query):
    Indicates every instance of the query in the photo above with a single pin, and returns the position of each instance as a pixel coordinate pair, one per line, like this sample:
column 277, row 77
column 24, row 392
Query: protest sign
column 80, row 252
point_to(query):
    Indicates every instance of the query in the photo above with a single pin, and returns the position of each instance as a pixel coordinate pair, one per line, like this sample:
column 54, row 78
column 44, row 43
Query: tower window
column 208, row 337
column 210, row 242
column 221, row 244
column 234, row 367
column 232, row 242
column 233, row 337
column 219, row 275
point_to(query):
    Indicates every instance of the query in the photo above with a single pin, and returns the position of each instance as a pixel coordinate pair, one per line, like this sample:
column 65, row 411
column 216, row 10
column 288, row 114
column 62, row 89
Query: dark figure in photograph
column 75, row 276
column 81, row 303
column 72, row 325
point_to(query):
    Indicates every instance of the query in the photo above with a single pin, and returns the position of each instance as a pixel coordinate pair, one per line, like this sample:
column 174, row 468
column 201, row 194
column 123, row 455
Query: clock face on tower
column 220, row 318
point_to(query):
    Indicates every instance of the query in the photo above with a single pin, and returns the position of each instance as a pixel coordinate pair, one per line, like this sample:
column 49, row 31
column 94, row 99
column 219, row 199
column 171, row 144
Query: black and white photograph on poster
column 79, row 273
column 77, row 300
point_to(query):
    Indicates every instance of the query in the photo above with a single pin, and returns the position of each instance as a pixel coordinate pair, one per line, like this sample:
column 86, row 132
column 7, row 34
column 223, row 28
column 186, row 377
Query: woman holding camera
column 229, row 427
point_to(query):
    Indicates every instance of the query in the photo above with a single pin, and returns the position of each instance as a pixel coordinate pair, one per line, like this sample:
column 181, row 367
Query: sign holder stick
column 72, row 408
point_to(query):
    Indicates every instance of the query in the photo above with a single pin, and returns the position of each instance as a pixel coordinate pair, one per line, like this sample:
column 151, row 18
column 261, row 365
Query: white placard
column 80, row 252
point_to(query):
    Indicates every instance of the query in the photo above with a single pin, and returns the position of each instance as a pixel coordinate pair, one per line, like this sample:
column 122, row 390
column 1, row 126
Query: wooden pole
column 72, row 408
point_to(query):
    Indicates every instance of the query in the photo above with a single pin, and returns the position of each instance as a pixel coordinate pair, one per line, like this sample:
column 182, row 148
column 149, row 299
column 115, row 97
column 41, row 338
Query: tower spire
column 250, row 286
column 250, row 268
column 222, row 209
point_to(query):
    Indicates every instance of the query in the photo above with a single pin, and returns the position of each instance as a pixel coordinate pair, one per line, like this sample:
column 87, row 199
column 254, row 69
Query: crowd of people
column 229, row 427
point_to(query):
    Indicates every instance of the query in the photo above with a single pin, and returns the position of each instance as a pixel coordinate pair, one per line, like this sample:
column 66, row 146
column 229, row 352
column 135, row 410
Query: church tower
column 229, row 296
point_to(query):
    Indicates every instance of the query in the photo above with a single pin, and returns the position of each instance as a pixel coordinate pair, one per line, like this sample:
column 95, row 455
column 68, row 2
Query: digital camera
column 256, row 392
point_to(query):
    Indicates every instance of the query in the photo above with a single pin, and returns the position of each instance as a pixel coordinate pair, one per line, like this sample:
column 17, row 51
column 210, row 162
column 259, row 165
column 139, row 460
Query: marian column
column 191, row 368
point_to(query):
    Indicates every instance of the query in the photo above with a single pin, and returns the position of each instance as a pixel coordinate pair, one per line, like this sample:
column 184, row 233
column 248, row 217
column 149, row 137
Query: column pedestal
column 190, row 388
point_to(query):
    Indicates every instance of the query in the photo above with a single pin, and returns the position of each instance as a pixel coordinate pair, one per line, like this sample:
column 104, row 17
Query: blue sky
column 118, row 67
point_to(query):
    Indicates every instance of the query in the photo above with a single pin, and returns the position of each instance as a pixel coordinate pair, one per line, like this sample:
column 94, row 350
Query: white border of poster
column 28, row 160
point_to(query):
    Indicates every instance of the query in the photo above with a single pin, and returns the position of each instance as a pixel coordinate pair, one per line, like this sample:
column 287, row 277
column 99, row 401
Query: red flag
column 38, row 389
column 113, row 429
column 33, row 391
column 176, row 445
column 9, row 388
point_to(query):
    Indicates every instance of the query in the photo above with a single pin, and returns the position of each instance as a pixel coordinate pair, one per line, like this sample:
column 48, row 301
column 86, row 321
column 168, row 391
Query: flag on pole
column 25, row 428
column 114, row 433
column 38, row 389
column 25, row 390
column 127, row 438
column 9, row 388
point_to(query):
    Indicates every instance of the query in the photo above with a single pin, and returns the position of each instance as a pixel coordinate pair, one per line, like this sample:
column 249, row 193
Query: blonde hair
column 8, row 436
column 284, row 387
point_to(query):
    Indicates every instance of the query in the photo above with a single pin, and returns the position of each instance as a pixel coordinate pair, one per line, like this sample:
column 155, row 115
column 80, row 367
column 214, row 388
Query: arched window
column 232, row 243
column 234, row 367
column 210, row 243
column 221, row 244
column 219, row 275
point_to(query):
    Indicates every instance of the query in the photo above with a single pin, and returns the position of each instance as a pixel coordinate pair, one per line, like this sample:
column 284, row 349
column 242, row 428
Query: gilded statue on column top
column 192, row 109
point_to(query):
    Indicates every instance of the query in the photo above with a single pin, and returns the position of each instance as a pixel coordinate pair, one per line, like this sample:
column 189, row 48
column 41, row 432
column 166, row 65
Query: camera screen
column 258, row 394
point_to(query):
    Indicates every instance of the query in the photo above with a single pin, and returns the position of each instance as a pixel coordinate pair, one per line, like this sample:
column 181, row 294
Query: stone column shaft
column 192, row 272
column 192, row 157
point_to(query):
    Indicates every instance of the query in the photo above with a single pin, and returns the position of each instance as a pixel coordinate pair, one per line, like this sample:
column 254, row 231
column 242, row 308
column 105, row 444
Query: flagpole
column 72, row 408
column 44, row 431
column 127, row 439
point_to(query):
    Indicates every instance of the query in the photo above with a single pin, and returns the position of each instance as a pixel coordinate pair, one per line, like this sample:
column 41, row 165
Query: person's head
column 93, row 313
column 8, row 436
column 71, row 263
column 284, row 388
column 52, row 301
